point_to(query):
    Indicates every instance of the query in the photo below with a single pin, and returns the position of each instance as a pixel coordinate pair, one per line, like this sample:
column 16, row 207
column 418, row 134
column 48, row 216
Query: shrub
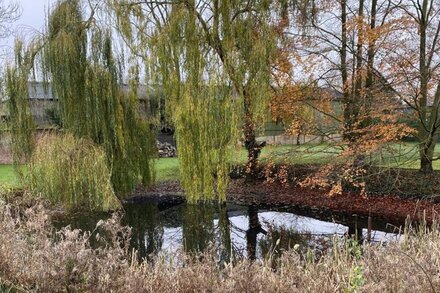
column 72, row 171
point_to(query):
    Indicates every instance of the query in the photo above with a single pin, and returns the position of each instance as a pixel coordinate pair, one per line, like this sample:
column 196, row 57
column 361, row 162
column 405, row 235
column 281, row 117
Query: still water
column 237, row 231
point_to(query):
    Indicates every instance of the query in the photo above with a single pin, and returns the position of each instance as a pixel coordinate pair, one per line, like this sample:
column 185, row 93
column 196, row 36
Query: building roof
column 42, row 91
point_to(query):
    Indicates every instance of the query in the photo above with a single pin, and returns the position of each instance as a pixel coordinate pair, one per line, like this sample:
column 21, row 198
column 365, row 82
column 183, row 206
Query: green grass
column 397, row 155
column 402, row 155
column 8, row 177
column 300, row 154
column 167, row 169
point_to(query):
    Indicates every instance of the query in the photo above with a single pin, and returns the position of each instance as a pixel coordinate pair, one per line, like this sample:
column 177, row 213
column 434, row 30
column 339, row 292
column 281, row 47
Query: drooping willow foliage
column 85, row 80
column 21, row 123
column 72, row 171
column 76, row 59
column 202, row 103
column 204, row 122
column 213, row 60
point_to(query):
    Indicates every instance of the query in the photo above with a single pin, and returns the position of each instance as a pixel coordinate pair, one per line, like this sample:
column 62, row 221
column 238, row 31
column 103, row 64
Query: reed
column 32, row 259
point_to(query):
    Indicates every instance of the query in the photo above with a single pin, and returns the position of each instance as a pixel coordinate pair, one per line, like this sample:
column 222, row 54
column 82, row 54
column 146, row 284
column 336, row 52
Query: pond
column 237, row 231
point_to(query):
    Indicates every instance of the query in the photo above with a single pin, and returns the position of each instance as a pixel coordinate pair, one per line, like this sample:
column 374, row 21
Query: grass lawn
column 167, row 169
column 8, row 177
column 402, row 155
column 397, row 155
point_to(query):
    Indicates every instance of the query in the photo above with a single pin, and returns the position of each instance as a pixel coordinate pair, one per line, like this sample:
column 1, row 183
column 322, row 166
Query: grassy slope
column 404, row 156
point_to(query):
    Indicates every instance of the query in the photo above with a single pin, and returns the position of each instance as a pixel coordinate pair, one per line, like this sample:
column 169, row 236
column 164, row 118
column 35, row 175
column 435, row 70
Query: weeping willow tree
column 201, row 104
column 21, row 122
column 204, row 134
column 213, row 59
column 85, row 80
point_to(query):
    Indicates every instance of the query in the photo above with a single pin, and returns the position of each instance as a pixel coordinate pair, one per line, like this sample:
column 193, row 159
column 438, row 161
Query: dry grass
column 35, row 258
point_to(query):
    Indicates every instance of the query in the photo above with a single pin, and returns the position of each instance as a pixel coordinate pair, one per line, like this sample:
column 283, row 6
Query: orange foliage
column 310, row 109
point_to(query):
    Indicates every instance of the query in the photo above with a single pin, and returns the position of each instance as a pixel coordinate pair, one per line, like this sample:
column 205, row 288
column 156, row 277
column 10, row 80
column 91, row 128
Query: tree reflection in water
column 233, row 231
column 355, row 231
column 252, row 232
column 226, row 254
column 147, row 229
column 198, row 227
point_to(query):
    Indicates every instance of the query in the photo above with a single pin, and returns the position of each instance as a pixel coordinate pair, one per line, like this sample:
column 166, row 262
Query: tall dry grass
column 35, row 258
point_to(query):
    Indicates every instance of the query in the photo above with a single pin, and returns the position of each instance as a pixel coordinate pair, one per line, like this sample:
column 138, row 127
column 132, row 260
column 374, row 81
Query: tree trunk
column 371, row 53
column 344, row 73
column 426, row 157
column 353, row 106
column 252, row 146
column 425, row 164
column 424, row 139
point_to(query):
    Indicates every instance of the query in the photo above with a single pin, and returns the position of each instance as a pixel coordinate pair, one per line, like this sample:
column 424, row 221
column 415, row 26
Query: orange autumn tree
column 292, row 103
column 303, row 109
column 369, row 114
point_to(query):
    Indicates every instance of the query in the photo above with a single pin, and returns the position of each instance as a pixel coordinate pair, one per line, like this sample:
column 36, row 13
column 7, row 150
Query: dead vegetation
column 34, row 257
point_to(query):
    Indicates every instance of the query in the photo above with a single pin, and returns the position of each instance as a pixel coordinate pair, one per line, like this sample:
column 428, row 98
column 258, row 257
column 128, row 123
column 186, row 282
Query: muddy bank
column 391, row 208
column 379, row 181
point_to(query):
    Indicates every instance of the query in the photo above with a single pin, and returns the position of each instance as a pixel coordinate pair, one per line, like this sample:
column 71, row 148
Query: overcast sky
column 34, row 12
column 31, row 20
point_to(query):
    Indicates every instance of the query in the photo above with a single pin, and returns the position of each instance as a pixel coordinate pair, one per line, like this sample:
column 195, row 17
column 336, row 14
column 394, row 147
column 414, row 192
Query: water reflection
column 226, row 253
column 355, row 231
column 198, row 227
column 233, row 231
column 147, row 228
column 252, row 232
column 281, row 238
